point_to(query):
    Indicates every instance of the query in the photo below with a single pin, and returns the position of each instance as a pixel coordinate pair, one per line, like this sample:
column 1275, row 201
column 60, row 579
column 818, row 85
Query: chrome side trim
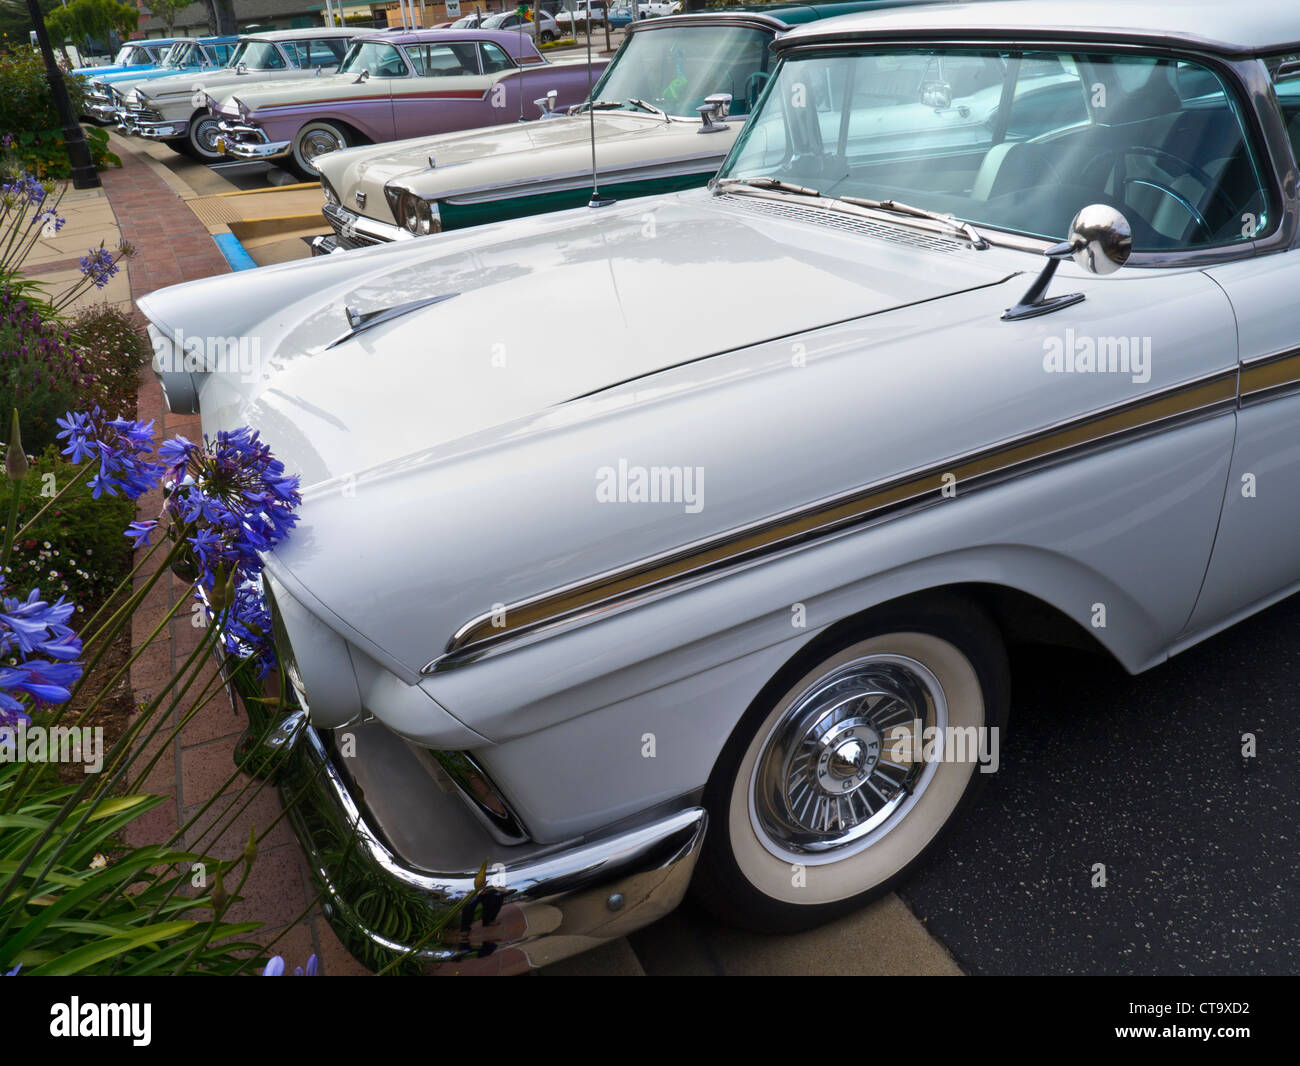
column 1191, row 400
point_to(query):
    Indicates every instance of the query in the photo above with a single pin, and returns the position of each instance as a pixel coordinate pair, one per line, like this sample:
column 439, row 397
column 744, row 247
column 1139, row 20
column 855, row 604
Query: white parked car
column 679, row 541
column 547, row 31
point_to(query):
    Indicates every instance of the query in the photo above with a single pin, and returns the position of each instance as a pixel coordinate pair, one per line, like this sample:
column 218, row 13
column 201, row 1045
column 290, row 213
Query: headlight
column 331, row 197
column 417, row 215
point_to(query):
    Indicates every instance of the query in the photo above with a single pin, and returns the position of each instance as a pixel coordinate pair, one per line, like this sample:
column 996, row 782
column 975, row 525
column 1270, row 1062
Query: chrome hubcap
column 318, row 142
column 206, row 135
column 842, row 765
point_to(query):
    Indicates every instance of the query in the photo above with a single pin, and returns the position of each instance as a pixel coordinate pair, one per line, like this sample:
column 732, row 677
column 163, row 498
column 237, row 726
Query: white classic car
column 679, row 541
column 174, row 109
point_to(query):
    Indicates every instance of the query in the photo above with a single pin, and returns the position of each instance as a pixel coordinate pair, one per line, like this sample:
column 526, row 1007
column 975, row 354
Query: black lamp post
column 83, row 169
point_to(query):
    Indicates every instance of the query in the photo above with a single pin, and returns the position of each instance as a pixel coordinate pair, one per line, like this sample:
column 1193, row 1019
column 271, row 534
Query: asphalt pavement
column 1144, row 775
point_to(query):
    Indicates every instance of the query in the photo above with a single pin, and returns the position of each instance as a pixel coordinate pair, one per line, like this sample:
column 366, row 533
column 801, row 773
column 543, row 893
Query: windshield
column 258, row 55
column 1014, row 140
column 675, row 69
column 130, row 55
column 185, row 54
column 382, row 60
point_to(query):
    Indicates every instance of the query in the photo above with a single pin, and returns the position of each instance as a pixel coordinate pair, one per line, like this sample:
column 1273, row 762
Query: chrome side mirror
column 936, row 94
column 714, row 109
column 242, row 68
column 547, row 104
column 1100, row 240
column 363, row 76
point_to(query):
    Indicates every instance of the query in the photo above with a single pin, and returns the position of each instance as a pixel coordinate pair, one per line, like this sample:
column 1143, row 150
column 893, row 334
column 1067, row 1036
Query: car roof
column 1259, row 27
column 507, row 39
column 778, row 16
column 306, row 32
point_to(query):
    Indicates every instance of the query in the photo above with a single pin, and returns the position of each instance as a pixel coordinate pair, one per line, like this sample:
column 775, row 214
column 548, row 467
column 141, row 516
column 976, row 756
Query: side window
column 141, row 58
column 495, row 59
column 443, row 60
column 327, row 52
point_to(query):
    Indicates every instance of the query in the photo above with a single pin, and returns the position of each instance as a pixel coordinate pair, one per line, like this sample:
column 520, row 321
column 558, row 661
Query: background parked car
column 400, row 85
column 174, row 109
column 511, row 20
column 108, row 91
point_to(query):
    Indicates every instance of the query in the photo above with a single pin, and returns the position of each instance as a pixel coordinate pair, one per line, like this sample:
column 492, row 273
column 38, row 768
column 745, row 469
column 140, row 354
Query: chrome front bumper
column 139, row 123
column 357, row 231
column 104, row 112
column 249, row 142
column 510, row 916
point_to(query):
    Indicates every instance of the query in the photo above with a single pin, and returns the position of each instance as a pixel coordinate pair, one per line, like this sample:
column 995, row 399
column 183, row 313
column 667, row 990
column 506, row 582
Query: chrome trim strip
column 705, row 163
column 1189, row 400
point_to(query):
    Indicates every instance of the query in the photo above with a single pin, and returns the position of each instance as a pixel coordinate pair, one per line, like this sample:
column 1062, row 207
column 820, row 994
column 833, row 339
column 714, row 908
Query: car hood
column 541, row 317
column 518, row 154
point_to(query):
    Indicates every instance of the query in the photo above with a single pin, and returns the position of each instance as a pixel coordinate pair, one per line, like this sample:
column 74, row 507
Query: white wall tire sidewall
column 300, row 159
column 833, row 882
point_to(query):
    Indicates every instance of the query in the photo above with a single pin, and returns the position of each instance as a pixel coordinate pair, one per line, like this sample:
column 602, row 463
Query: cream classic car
column 679, row 541
column 174, row 110
column 405, row 83
column 647, row 130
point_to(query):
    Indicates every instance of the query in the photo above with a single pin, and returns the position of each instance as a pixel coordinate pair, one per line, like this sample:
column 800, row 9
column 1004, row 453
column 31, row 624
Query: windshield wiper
column 894, row 207
column 360, row 321
column 648, row 107
column 767, row 183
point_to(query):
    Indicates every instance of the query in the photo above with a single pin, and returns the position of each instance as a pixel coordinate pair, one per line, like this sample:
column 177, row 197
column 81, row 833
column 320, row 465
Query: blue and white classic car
column 679, row 541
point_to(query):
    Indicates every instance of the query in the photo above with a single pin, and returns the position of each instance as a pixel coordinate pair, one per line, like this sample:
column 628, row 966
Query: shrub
column 42, row 374
column 113, row 347
column 29, row 117
column 76, row 548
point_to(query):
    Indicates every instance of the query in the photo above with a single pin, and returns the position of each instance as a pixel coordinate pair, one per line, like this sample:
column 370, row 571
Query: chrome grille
column 348, row 236
column 820, row 216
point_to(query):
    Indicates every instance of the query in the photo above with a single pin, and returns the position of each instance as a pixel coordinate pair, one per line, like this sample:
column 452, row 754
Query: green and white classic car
column 667, row 110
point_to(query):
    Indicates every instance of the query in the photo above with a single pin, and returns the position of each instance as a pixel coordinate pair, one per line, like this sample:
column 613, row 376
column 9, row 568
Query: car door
column 450, row 90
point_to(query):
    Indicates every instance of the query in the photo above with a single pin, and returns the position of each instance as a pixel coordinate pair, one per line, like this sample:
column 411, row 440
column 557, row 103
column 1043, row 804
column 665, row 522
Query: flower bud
column 220, row 897
column 15, row 458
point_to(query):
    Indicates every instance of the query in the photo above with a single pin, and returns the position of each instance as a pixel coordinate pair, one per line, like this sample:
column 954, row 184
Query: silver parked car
column 680, row 540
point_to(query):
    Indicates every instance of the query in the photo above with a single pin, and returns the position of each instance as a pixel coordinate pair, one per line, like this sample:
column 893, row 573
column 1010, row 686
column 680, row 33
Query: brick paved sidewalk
column 173, row 246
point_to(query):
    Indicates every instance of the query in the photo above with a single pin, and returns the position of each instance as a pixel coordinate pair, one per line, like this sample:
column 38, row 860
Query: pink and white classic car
column 396, row 85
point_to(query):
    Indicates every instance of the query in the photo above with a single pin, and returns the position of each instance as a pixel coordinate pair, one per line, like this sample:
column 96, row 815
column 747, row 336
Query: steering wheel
column 1115, row 157
column 754, row 87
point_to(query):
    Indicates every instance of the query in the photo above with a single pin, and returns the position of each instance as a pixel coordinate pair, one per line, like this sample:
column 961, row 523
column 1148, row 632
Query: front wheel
column 831, row 790
column 201, row 137
column 315, row 139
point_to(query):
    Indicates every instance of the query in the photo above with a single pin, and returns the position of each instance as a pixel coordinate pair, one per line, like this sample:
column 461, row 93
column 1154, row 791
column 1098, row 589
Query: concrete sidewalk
column 149, row 205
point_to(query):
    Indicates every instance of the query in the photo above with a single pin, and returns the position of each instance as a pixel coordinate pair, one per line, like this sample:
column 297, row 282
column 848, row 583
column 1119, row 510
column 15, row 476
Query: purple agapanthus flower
column 139, row 532
column 100, row 266
column 236, row 497
column 14, row 971
column 246, row 628
column 122, row 447
column 41, row 650
column 275, row 968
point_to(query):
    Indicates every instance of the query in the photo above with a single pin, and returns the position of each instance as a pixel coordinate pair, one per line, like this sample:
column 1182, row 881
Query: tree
column 167, row 10
column 91, row 18
column 221, row 17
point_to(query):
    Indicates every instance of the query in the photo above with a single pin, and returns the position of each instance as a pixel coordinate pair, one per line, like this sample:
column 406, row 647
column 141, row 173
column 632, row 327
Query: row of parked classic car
column 672, row 533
